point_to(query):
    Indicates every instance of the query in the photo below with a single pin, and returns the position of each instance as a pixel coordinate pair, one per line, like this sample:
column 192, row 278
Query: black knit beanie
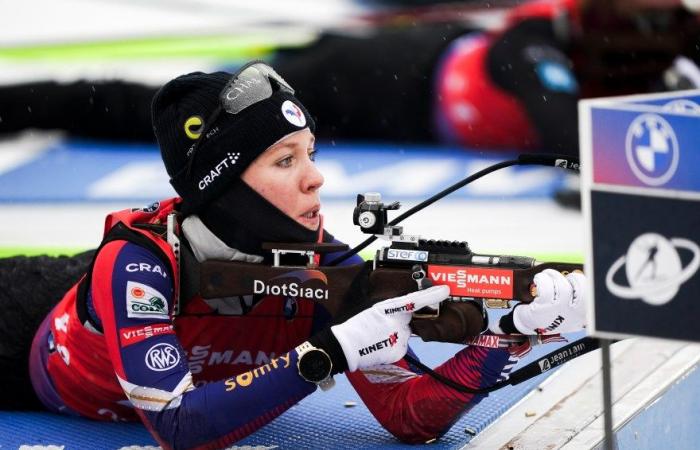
column 233, row 141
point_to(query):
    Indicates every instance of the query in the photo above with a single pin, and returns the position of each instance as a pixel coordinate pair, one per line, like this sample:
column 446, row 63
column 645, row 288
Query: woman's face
column 285, row 175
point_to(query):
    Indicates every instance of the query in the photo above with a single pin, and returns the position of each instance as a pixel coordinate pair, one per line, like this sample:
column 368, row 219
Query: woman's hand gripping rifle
column 473, row 280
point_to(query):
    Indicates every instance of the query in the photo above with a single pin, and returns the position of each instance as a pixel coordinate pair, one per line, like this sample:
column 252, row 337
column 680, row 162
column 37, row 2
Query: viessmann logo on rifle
column 309, row 284
column 474, row 281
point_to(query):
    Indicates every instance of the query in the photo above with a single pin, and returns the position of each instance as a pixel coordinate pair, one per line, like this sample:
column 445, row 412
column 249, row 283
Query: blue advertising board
column 641, row 194
column 84, row 170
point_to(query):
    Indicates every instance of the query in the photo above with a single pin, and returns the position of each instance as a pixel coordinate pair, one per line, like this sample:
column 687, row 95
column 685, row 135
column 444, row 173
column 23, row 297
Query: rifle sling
column 543, row 364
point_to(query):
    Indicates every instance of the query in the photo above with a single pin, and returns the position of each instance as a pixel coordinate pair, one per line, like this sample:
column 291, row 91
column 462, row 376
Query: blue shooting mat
column 320, row 421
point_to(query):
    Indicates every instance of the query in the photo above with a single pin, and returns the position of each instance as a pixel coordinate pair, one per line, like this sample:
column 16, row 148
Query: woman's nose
column 312, row 179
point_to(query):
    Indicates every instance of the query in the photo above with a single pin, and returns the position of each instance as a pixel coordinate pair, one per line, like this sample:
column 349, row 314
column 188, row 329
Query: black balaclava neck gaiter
column 243, row 219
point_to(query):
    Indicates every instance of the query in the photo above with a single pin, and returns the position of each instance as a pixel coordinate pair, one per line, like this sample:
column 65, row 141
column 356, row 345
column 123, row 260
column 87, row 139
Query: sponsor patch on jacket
column 133, row 335
column 162, row 357
column 144, row 302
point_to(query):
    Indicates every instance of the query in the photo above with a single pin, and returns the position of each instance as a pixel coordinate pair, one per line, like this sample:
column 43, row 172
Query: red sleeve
column 417, row 408
column 130, row 290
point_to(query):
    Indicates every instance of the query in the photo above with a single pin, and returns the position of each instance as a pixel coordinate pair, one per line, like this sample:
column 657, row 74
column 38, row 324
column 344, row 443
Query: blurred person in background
column 515, row 87
column 129, row 340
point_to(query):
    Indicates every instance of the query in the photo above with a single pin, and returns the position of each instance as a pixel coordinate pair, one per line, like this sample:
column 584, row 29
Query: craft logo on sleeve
column 145, row 267
column 145, row 302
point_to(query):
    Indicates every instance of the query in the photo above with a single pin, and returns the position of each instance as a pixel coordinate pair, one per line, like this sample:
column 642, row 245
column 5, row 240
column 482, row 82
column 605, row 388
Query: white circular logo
column 162, row 357
column 653, row 268
column 651, row 149
column 293, row 113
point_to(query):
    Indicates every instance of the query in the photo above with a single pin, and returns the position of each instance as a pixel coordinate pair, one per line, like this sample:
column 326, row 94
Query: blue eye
column 285, row 162
column 312, row 154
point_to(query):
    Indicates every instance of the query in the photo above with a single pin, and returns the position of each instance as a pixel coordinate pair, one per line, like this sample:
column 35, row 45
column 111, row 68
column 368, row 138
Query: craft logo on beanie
column 229, row 161
column 203, row 159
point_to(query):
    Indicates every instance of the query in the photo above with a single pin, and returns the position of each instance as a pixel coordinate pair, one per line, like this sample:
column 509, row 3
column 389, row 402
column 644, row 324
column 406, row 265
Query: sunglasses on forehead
column 251, row 84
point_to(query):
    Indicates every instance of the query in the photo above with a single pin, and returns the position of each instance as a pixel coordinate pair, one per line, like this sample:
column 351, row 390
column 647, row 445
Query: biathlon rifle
column 408, row 264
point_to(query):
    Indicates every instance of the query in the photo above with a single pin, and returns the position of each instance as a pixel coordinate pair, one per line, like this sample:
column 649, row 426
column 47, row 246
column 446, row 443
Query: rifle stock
column 327, row 285
column 330, row 285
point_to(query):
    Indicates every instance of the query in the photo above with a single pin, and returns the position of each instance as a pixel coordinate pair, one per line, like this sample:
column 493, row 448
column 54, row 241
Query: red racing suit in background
column 513, row 87
column 446, row 81
column 481, row 105
column 518, row 86
column 220, row 369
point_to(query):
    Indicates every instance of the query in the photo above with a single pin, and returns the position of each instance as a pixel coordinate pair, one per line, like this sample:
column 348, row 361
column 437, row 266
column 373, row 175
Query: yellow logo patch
column 194, row 127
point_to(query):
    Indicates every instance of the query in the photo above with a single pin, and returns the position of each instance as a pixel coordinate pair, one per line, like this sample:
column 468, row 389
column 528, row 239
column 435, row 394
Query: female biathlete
column 129, row 342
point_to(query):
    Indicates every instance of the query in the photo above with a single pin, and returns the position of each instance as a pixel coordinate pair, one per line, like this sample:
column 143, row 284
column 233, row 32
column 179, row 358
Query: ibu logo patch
column 293, row 114
column 654, row 268
column 144, row 302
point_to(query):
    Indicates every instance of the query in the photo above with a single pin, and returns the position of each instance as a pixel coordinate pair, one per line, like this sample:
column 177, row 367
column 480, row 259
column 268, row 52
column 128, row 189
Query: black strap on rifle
column 526, row 159
column 535, row 368
column 189, row 272
column 575, row 349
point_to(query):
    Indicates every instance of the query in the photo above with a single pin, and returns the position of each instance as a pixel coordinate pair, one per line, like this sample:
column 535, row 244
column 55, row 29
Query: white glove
column 379, row 334
column 560, row 305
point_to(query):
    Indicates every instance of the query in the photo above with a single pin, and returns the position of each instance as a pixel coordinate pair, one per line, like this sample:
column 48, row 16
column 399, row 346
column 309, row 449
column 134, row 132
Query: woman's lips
column 311, row 217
